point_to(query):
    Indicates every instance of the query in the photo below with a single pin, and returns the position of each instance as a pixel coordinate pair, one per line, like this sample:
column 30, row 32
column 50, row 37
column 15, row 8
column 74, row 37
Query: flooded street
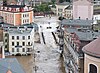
column 45, row 57
column 25, row 61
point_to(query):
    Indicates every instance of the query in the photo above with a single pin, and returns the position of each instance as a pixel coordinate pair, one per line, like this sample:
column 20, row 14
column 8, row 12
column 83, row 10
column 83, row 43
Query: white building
column 60, row 8
column 19, row 40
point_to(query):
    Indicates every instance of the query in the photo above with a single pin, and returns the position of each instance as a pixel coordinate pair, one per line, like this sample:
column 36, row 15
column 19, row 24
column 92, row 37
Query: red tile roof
column 93, row 48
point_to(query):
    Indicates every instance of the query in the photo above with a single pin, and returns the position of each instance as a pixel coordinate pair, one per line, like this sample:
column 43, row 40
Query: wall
column 91, row 60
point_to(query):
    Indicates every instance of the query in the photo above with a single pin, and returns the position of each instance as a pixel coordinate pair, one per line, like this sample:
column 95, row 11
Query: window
column 5, row 46
column 23, row 15
column 12, row 49
column 93, row 69
column 12, row 37
column 5, row 40
column 23, row 50
column 17, row 49
column 28, row 43
column 23, row 37
column 17, row 37
column 12, row 43
column 6, row 34
column 28, row 37
column 23, row 43
column 17, row 43
column 23, row 21
column 27, row 15
column 28, row 49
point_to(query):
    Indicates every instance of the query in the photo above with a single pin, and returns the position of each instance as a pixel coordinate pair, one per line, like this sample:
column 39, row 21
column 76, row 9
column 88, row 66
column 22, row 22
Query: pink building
column 82, row 9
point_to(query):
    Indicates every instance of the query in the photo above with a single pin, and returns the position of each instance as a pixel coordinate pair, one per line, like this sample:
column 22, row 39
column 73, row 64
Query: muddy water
column 62, row 68
column 25, row 61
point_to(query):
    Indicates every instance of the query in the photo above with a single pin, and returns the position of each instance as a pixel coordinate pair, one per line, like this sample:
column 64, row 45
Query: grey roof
column 15, row 6
column 64, row 3
column 20, row 32
column 12, row 64
column 31, row 25
column 77, row 22
column 84, row 35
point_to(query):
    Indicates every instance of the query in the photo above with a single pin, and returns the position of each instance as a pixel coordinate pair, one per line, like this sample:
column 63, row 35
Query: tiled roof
column 32, row 25
column 64, row 3
column 15, row 6
column 93, row 48
column 87, row 35
column 12, row 64
column 79, row 22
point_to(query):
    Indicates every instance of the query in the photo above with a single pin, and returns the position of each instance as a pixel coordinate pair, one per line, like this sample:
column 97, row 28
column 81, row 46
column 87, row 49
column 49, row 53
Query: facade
column 82, row 9
column 92, row 57
column 2, row 50
column 96, row 13
column 68, row 12
column 19, row 40
column 16, row 14
column 60, row 8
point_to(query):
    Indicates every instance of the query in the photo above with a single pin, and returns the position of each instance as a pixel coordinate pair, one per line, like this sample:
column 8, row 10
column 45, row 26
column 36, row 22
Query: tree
column 53, row 1
column 61, row 1
column 42, row 8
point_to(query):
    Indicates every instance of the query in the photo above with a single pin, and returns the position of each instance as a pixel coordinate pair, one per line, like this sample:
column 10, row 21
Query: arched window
column 93, row 68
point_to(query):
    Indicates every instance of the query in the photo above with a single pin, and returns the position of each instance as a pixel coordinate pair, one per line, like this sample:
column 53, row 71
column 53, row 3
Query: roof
column 84, row 35
column 12, row 64
column 16, row 6
column 64, row 3
column 79, row 22
column 31, row 25
column 69, row 7
column 93, row 48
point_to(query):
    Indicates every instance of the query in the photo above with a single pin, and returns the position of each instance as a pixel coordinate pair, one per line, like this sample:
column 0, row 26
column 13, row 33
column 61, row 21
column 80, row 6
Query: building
column 77, row 23
column 68, row 12
column 10, row 65
column 82, row 9
column 19, row 40
column 60, row 8
column 16, row 14
column 74, row 40
column 2, row 50
column 92, row 57
column 96, row 13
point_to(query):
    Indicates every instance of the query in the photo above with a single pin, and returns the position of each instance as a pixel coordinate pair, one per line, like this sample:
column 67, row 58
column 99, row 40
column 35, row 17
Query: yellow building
column 92, row 57
column 16, row 14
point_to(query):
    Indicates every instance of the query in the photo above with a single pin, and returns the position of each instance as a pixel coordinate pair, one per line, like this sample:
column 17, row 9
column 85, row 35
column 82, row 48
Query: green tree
column 42, row 8
column 53, row 1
